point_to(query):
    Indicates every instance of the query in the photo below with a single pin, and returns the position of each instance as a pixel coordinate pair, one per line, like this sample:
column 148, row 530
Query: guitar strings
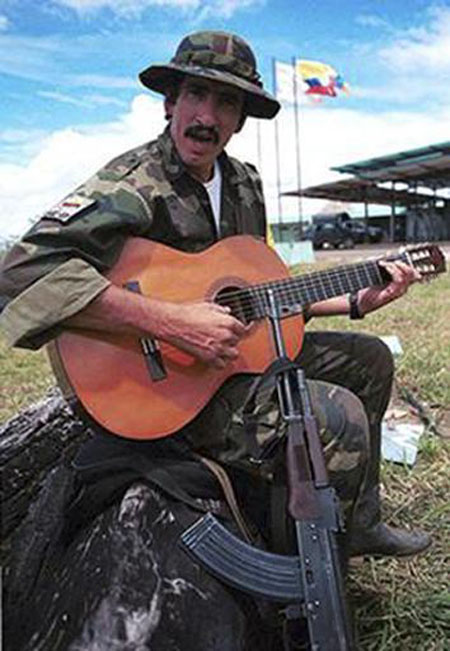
column 363, row 274
column 340, row 281
column 308, row 281
column 290, row 288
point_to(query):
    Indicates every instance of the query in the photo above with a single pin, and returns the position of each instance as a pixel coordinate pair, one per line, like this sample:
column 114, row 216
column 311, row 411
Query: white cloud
column 124, row 7
column 133, row 8
column 55, row 59
column 412, row 66
column 66, row 158
column 22, row 143
column 424, row 50
column 328, row 137
column 371, row 20
column 4, row 23
column 62, row 98
column 103, row 81
column 224, row 8
column 331, row 137
column 89, row 101
column 20, row 136
column 406, row 91
column 104, row 100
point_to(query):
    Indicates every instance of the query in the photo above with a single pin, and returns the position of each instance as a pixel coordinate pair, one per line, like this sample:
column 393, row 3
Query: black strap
column 165, row 474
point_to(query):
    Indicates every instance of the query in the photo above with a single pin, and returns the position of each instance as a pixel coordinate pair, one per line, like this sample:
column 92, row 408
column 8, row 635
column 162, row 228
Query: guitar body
column 109, row 373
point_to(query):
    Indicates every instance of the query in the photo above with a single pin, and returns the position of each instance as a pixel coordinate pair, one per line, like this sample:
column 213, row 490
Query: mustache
column 201, row 132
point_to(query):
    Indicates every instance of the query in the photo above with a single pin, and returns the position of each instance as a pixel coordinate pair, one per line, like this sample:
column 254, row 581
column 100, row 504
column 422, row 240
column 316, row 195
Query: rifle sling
column 230, row 496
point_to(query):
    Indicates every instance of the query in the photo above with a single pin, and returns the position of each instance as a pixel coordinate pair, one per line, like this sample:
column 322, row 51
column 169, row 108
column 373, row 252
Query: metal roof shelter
column 427, row 167
column 375, row 180
column 361, row 191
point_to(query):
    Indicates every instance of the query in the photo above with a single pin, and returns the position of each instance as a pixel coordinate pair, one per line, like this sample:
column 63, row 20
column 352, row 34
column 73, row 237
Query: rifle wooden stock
column 302, row 502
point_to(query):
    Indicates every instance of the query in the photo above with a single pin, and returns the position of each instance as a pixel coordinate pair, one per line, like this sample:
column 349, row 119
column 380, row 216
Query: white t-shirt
column 214, row 190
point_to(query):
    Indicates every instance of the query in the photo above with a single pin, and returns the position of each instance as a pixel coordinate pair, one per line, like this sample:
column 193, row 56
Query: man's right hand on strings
column 203, row 329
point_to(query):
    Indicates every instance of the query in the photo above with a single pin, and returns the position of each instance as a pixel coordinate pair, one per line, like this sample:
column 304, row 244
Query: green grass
column 399, row 605
column 404, row 604
column 24, row 377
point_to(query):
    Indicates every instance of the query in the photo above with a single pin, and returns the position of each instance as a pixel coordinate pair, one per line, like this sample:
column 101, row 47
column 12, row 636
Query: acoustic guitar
column 144, row 388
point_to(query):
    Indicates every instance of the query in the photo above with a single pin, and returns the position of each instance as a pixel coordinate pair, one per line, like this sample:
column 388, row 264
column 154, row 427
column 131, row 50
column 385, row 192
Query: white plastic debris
column 393, row 343
column 399, row 441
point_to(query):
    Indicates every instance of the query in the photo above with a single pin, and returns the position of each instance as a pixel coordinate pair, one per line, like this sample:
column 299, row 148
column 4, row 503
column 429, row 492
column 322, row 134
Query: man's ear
column 168, row 108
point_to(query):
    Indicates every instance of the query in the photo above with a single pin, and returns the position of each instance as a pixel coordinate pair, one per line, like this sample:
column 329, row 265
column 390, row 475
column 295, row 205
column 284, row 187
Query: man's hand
column 205, row 330
column 402, row 275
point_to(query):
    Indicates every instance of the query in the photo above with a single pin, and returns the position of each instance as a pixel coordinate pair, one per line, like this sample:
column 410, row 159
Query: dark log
column 31, row 445
column 120, row 581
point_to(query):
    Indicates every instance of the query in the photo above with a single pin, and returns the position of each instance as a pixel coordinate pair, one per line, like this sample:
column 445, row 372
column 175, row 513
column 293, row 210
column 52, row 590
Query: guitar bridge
column 153, row 358
column 149, row 345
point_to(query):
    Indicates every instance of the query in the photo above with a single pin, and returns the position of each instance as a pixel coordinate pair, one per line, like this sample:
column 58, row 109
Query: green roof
column 359, row 190
column 427, row 166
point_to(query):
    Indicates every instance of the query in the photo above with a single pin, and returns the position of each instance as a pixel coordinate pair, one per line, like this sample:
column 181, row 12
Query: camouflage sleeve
column 259, row 201
column 56, row 269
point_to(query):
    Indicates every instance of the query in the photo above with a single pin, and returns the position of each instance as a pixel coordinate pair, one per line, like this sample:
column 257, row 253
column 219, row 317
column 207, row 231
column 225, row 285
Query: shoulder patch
column 69, row 207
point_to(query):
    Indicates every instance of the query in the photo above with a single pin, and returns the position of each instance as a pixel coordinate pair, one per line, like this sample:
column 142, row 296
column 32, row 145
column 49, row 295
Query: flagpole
column 297, row 145
column 258, row 145
column 277, row 148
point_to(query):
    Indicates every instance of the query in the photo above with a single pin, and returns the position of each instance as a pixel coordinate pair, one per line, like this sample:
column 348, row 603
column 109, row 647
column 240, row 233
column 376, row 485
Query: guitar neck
column 293, row 293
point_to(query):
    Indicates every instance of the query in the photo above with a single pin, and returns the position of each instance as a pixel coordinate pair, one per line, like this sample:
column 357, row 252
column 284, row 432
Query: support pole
column 258, row 145
column 366, row 209
column 297, row 146
column 277, row 151
column 392, row 219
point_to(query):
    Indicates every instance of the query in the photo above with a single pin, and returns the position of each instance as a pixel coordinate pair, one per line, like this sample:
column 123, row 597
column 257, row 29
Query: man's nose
column 207, row 111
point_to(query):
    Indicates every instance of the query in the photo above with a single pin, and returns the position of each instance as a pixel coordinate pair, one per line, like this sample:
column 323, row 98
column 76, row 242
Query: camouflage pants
column 364, row 365
column 349, row 380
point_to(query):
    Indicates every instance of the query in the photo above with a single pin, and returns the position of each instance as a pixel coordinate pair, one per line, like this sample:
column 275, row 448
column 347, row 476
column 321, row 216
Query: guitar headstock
column 428, row 259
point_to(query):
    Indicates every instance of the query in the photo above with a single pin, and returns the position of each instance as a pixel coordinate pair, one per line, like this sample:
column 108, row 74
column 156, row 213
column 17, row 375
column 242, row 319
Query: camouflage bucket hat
column 218, row 56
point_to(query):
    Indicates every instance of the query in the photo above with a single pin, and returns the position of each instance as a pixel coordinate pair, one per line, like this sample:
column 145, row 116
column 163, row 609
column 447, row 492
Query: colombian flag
column 320, row 78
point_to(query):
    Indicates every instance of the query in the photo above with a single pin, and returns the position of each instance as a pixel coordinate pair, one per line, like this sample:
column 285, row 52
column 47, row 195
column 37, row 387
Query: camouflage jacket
column 57, row 268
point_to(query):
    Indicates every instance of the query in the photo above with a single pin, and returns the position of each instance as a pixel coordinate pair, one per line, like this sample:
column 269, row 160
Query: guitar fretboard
column 289, row 294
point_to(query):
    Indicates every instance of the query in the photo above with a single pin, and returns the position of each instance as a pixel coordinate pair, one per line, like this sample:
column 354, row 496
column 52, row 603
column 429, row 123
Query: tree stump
column 119, row 582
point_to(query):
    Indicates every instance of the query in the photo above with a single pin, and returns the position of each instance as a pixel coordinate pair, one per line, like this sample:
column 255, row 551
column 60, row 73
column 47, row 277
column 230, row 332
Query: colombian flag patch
column 69, row 207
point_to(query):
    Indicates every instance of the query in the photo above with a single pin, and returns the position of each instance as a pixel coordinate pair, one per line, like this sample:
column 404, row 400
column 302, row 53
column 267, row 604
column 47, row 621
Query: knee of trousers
column 376, row 356
column 344, row 430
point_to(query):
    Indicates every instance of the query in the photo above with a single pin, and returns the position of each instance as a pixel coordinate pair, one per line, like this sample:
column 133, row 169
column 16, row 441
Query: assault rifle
column 310, row 583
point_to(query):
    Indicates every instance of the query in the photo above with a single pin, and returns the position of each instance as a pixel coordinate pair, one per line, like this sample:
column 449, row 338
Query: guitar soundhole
column 240, row 302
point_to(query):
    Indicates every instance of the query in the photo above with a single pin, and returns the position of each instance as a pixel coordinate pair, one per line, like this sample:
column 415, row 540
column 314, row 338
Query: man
column 184, row 191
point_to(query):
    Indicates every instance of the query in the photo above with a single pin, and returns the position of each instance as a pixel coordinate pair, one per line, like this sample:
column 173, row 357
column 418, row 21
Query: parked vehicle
column 362, row 233
column 339, row 230
column 329, row 235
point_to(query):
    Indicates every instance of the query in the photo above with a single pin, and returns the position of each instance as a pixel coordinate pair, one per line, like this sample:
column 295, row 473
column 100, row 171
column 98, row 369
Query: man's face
column 203, row 118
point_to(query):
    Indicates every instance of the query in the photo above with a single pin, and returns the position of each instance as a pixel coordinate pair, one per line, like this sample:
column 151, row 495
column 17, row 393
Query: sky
column 71, row 99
